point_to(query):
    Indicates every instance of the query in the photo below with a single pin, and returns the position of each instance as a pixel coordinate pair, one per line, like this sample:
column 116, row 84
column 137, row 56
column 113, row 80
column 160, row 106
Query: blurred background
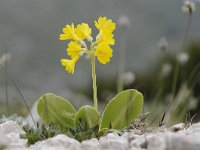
column 151, row 32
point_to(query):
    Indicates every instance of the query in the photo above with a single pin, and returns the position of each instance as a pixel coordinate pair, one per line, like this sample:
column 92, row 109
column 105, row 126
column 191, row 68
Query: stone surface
column 177, row 127
column 10, row 134
column 175, row 138
column 59, row 142
column 113, row 142
column 92, row 144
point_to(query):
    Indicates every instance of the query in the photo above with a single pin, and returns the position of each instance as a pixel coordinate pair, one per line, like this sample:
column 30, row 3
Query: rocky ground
column 174, row 138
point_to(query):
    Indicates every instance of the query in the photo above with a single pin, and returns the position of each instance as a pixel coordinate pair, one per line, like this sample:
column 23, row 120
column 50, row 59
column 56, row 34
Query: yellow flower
column 105, row 39
column 73, row 49
column 70, row 64
column 103, row 53
column 83, row 31
column 69, row 33
column 99, row 48
column 104, row 25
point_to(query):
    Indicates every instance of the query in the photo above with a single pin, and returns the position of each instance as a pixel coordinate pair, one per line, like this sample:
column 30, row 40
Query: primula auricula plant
column 99, row 48
column 87, row 122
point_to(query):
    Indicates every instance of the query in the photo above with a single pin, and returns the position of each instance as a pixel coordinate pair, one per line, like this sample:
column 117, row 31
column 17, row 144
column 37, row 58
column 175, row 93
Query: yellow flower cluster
column 77, row 47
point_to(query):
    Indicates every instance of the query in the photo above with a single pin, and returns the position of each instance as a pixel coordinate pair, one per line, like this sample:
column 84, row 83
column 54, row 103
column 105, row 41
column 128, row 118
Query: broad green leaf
column 122, row 110
column 52, row 108
column 87, row 115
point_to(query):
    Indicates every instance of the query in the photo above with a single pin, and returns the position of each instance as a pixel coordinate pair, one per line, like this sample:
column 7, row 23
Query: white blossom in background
column 128, row 78
column 163, row 43
column 166, row 69
column 5, row 58
column 188, row 6
column 124, row 21
column 193, row 103
column 182, row 58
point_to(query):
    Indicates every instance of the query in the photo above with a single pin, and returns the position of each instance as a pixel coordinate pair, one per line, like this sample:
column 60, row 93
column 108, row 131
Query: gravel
column 174, row 138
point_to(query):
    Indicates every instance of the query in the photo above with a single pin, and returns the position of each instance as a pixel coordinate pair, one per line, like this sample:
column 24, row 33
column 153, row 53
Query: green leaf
column 87, row 115
column 102, row 132
column 122, row 110
column 52, row 108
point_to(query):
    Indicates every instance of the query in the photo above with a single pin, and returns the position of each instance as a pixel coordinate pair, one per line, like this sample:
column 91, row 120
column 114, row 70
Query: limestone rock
column 177, row 127
column 184, row 139
column 59, row 142
column 113, row 142
column 92, row 144
column 10, row 134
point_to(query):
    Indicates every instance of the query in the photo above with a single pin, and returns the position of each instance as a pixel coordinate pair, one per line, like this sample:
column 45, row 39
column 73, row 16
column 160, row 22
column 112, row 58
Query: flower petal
column 103, row 53
column 105, row 39
column 83, row 31
column 105, row 25
column 73, row 49
column 69, row 33
column 70, row 64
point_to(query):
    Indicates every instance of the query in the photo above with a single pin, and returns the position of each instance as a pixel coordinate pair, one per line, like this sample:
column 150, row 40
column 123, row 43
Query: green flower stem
column 94, row 82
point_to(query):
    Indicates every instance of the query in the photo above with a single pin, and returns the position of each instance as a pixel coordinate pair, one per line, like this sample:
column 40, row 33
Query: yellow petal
column 70, row 64
column 105, row 39
column 103, row 53
column 69, row 33
column 105, row 25
column 73, row 49
column 83, row 31
column 63, row 37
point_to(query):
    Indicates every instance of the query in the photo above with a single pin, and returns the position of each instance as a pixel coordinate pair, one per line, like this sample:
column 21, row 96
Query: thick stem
column 94, row 82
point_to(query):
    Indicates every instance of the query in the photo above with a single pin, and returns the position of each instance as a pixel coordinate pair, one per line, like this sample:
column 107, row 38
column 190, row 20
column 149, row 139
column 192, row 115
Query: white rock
column 184, row 142
column 136, row 148
column 157, row 142
column 139, row 142
column 130, row 136
column 177, row 127
column 59, row 142
column 112, row 135
column 10, row 126
column 113, row 142
column 10, row 134
column 195, row 128
column 90, row 144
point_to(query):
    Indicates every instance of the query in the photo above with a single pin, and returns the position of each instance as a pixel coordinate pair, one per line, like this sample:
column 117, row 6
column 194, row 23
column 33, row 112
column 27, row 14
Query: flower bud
column 166, row 69
column 124, row 21
column 5, row 58
column 182, row 58
column 129, row 78
column 98, row 36
column 89, row 38
column 82, row 43
column 188, row 7
column 163, row 43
